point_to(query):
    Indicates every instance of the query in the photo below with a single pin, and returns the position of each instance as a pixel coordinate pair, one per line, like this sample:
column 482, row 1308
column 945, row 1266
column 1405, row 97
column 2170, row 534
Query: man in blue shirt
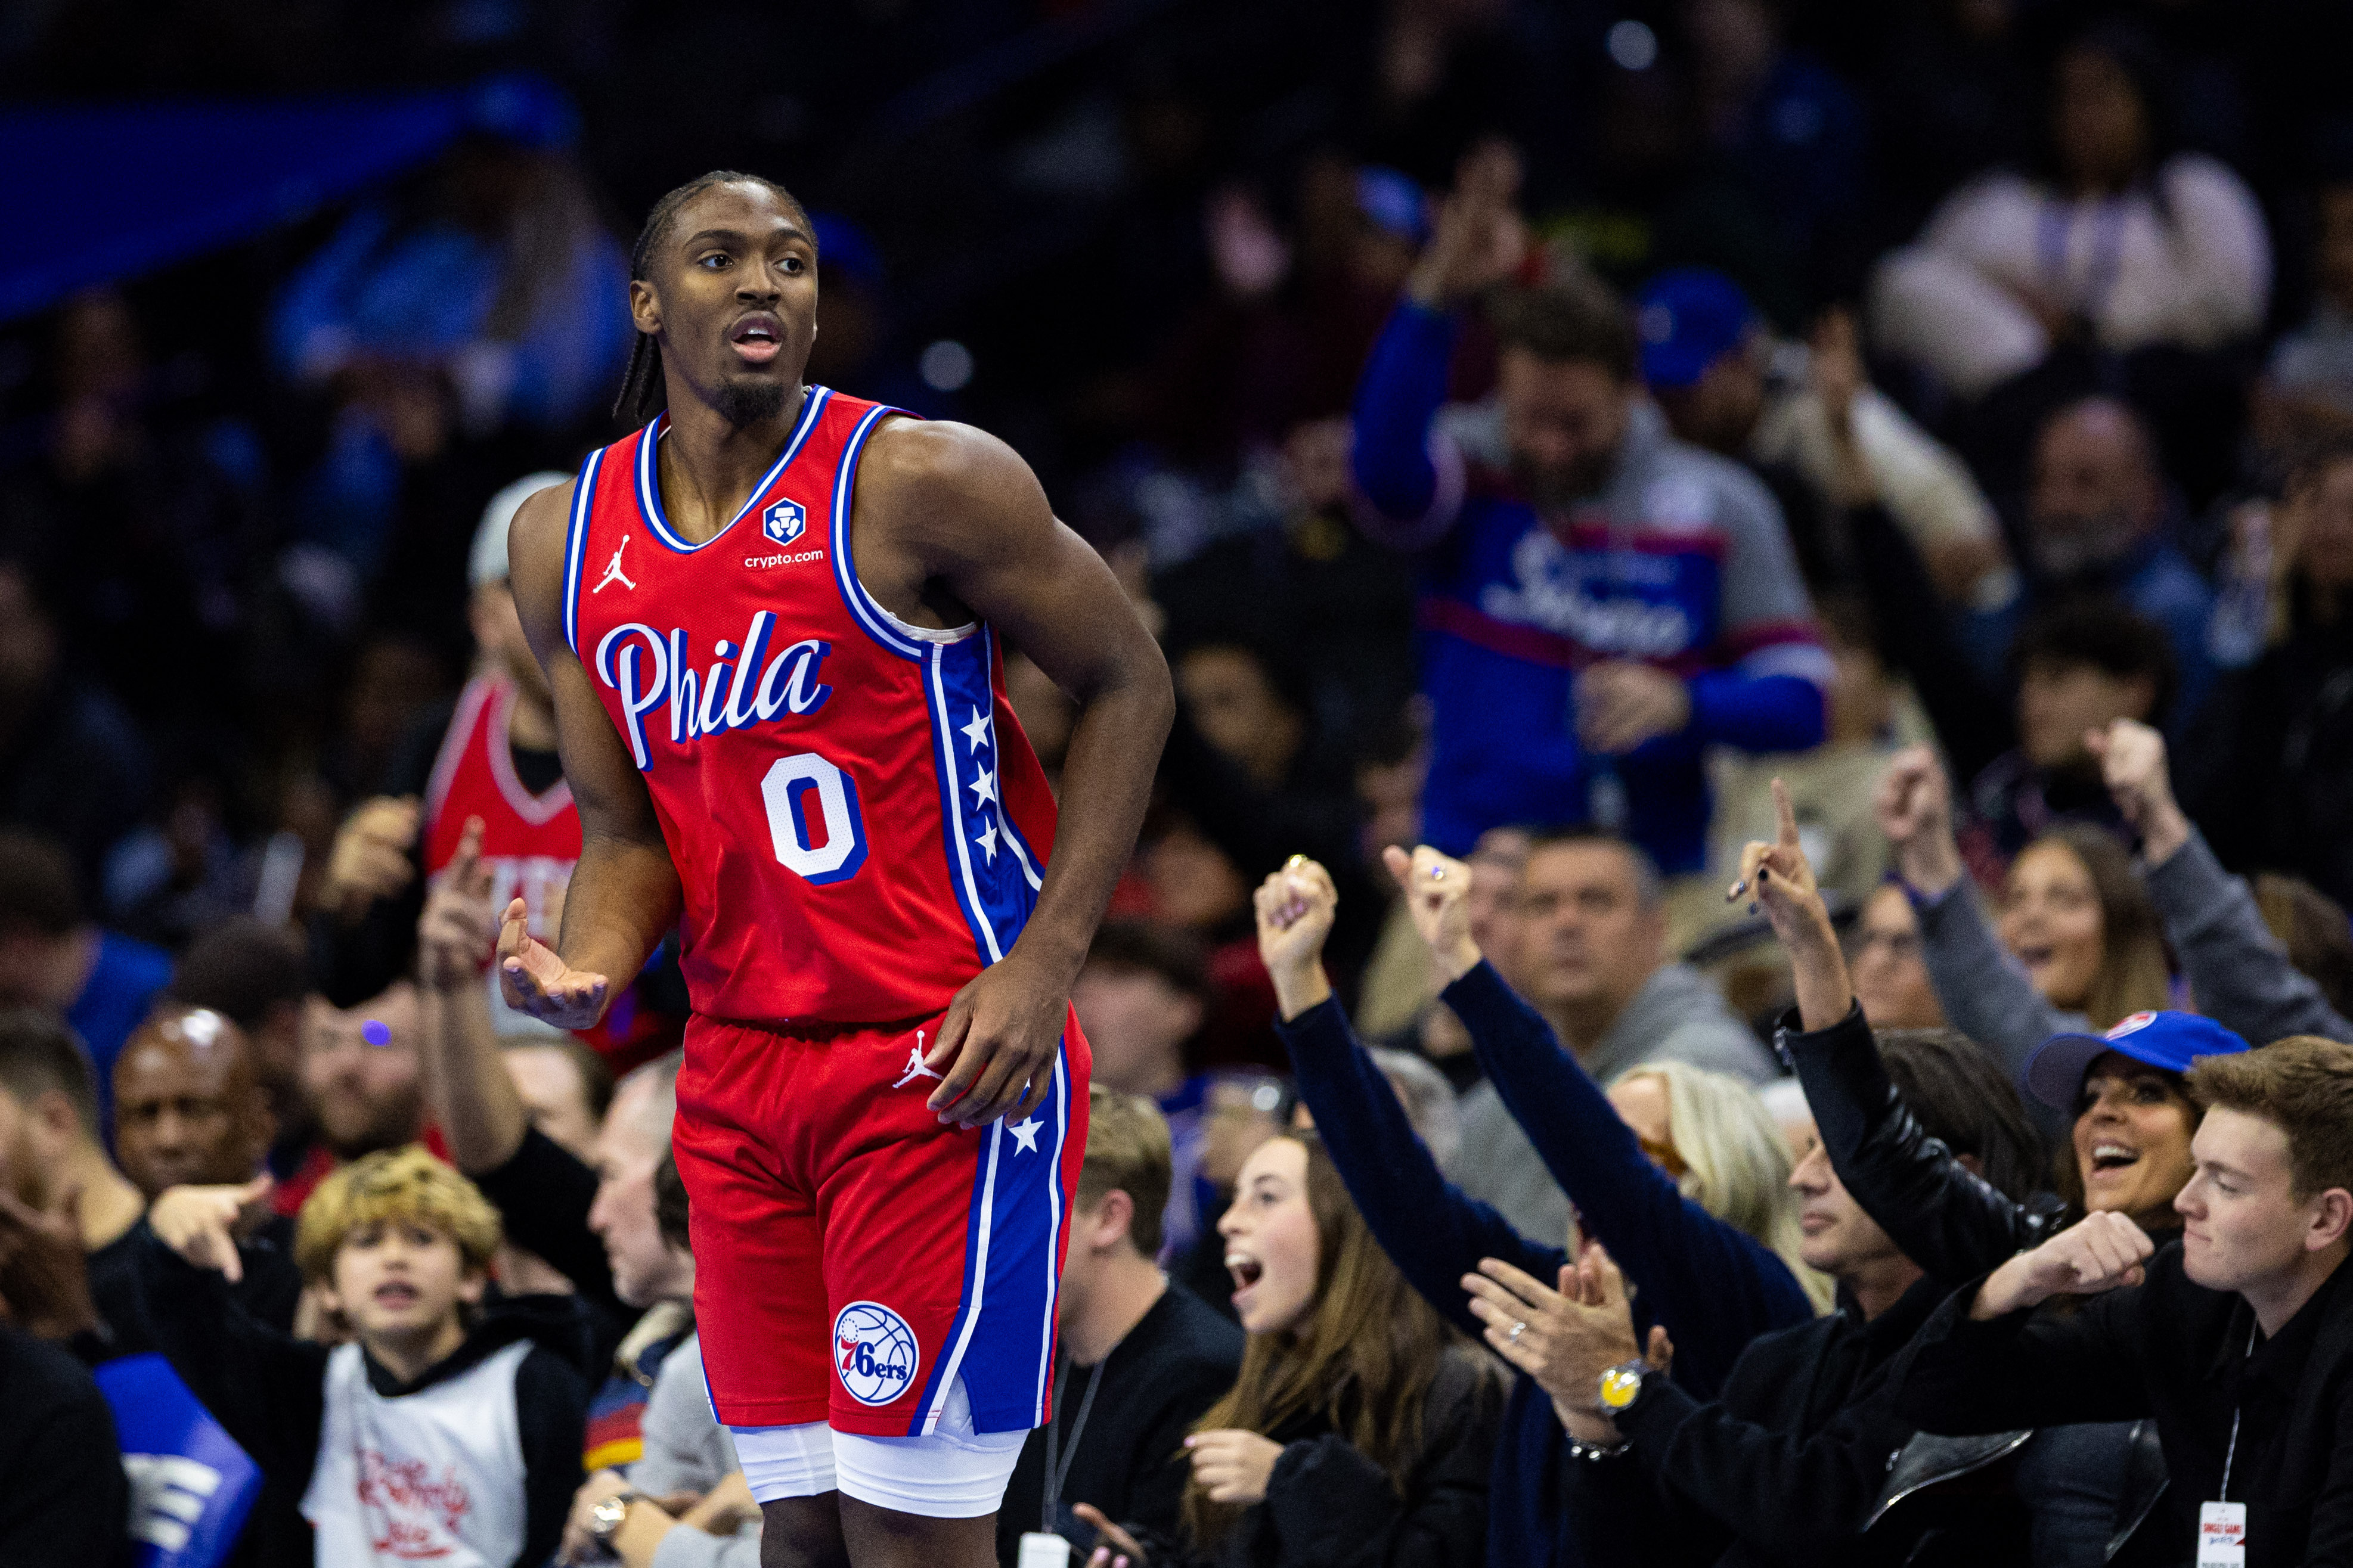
column 1598, row 601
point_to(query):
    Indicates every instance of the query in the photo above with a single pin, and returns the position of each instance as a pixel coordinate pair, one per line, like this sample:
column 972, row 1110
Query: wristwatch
column 604, row 1519
column 1622, row 1386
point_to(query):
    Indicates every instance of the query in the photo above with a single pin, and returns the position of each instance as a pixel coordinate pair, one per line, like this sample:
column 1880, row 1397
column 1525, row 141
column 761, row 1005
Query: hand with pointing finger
column 200, row 1224
column 458, row 927
column 1780, row 880
column 2132, row 764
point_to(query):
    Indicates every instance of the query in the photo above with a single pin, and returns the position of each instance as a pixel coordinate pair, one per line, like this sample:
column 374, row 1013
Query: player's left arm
column 957, row 511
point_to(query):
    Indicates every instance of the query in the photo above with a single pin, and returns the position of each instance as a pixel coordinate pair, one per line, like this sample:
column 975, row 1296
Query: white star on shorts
column 1025, row 1135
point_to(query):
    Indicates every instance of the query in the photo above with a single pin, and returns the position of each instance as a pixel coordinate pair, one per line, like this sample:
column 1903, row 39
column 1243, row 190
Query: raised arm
column 1429, row 1228
column 1984, row 995
column 1408, row 490
column 2237, row 969
column 1934, row 1208
column 951, row 525
column 1712, row 1285
column 624, row 892
column 468, row 1090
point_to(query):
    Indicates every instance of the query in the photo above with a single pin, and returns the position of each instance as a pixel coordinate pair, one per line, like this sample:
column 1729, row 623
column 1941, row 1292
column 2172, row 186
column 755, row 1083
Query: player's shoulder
column 929, row 463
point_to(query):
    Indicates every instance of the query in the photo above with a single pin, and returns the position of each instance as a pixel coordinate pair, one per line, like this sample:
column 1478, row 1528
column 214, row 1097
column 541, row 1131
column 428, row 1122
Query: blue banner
column 191, row 1485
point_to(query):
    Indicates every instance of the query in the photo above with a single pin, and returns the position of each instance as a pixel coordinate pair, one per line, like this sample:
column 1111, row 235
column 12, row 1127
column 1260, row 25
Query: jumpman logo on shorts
column 915, row 1068
column 612, row 573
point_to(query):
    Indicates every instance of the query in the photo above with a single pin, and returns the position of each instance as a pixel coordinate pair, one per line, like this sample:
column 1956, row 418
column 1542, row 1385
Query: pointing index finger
column 1784, row 815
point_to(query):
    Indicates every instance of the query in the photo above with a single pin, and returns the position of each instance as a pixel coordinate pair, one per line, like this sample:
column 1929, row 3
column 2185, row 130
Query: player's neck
column 707, row 467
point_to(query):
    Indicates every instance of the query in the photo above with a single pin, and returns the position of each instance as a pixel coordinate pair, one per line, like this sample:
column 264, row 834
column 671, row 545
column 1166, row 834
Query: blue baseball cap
column 2054, row 1073
column 1688, row 319
column 1393, row 202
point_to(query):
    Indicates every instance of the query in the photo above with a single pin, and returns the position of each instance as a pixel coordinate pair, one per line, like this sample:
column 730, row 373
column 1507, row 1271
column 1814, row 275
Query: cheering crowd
column 1740, row 954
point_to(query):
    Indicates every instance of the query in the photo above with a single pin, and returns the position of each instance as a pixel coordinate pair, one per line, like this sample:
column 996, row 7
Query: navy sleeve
column 1401, row 392
column 1429, row 1228
column 1938, row 1213
column 551, row 1413
column 267, row 1388
column 1713, row 1285
column 1755, row 712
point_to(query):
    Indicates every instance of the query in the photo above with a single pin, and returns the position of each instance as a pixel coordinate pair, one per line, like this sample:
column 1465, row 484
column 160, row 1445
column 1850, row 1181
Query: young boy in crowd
column 449, row 1429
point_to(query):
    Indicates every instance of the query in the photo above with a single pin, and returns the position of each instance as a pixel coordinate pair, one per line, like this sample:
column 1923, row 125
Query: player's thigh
column 759, row 1294
column 943, row 1254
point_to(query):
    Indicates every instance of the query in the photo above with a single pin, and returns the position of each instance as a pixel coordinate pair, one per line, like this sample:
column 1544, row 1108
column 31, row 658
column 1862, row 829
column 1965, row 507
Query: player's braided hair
column 642, row 393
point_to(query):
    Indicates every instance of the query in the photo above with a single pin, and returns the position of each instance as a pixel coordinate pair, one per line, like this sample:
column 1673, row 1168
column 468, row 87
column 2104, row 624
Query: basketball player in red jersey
column 770, row 618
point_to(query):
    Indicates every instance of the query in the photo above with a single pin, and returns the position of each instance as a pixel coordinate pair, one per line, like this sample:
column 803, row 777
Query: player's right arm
column 624, row 893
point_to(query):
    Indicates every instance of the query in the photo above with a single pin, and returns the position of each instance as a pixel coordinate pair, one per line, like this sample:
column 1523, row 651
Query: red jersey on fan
column 858, row 822
column 530, row 842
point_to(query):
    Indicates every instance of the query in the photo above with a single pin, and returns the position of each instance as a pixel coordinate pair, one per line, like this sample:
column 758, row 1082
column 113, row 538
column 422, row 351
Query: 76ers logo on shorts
column 875, row 1353
column 784, row 522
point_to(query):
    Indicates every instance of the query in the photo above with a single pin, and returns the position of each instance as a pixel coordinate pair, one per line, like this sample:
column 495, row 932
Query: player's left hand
column 537, row 981
column 1001, row 1034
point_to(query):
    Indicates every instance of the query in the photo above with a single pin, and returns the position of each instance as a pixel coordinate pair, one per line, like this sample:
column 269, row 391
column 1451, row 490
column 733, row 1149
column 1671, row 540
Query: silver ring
column 1515, row 1335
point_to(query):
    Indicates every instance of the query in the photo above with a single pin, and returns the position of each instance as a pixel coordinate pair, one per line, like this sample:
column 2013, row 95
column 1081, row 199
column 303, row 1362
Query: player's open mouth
column 1245, row 1269
column 757, row 338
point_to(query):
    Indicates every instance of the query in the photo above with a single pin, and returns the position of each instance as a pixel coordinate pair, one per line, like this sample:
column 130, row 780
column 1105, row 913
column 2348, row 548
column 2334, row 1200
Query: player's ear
column 645, row 306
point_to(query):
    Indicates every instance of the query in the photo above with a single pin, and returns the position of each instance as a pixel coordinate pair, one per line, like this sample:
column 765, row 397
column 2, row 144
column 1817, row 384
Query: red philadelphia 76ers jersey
column 858, row 821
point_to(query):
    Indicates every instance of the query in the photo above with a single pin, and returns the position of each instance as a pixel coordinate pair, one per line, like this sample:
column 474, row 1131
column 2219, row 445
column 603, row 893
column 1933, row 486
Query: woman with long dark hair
column 1360, row 1426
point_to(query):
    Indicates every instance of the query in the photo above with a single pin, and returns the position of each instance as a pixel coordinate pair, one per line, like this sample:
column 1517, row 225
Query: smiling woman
column 2082, row 923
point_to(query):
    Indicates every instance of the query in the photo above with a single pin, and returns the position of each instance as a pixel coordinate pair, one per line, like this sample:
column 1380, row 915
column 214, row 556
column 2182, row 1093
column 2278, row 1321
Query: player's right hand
column 535, row 979
column 369, row 858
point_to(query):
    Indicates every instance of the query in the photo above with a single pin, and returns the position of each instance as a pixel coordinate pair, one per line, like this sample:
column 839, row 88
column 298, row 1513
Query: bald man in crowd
column 189, row 1108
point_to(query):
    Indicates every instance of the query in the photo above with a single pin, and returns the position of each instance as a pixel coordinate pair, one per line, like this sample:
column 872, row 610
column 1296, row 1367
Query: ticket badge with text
column 2222, row 1535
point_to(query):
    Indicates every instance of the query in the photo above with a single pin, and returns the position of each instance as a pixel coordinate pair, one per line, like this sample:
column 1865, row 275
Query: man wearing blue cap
column 1599, row 602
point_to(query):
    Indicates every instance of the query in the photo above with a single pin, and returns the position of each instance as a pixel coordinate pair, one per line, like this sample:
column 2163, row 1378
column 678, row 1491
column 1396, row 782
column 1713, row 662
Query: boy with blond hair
column 448, row 1429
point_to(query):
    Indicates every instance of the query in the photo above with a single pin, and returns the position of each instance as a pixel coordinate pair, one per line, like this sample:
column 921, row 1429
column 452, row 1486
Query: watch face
column 1619, row 1386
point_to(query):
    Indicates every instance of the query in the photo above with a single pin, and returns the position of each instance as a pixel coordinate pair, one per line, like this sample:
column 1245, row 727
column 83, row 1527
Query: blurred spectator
column 1428, row 1100
column 1141, row 1356
column 2305, row 399
column 2095, row 524
column 71, row 765
column 188, row 1106
column 50, row 1156
column 1809, row 420
column 1142, row 997
column 685, row 1503
column 53, row 957
column 1327, row 1444
column 400, row 1245
column 1592, row 961
column 1789, row 131
column 1564, row 684
column 63, row 1454
column 360, row 1082
column 2083, row 664
column 2264, row 771
column 1873, row 714
column 2313, row 928
column 2119, row 238
column 1891, row 977
column 257, row 976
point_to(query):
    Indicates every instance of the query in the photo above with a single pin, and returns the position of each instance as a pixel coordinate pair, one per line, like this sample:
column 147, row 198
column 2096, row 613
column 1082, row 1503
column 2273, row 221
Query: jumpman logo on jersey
column 915, row 1068
column 612, row 573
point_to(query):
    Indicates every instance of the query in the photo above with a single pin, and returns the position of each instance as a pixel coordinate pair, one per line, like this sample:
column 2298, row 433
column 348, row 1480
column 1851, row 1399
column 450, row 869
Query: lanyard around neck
column 2231, row 1452
column 1058, row 1468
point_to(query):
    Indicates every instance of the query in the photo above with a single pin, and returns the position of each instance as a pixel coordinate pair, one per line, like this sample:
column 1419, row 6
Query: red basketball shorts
column 854, row 1258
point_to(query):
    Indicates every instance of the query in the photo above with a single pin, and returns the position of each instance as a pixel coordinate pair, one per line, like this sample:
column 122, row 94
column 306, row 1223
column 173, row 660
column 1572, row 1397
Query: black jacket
column 2172, row 1349
column 1938, row 1213
column 67, row 1497
column 1178, row 1360
column 268, row 1389
column 1328, row 1506
column 1787, row 1465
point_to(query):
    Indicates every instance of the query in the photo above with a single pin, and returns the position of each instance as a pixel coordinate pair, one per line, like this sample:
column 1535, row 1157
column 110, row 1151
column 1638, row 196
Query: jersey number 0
column 813, row 819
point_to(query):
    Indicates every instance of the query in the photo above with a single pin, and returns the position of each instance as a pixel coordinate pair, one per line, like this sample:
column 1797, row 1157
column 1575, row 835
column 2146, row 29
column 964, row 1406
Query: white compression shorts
column 953, row 1473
